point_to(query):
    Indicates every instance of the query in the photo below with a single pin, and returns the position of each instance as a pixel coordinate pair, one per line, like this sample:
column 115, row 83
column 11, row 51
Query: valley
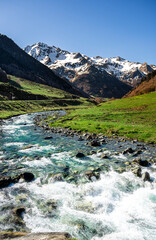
column 77, row 145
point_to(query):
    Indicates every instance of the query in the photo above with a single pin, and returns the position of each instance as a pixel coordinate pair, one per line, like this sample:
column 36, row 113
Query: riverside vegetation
column 133, row 118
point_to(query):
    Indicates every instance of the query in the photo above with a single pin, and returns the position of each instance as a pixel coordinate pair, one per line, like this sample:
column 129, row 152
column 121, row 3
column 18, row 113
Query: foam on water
column 99, row 203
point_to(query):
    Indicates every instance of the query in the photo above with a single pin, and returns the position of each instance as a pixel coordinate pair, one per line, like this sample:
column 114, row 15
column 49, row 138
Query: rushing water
column 115, row 206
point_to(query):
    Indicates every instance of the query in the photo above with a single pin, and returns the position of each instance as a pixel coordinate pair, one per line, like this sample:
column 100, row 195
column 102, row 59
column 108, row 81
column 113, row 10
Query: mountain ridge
column 68, row 64
column 84, row 72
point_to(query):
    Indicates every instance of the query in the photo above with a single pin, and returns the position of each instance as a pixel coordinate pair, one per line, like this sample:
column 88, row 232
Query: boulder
column 128, row 150
column 137, row 171
column 5, row 181
column 45, row 236
column 19, row 211
column 80, row 155
column 143, row 163
column 95, row 143
column 27, row 176
column 49, row 137
column 146, row 177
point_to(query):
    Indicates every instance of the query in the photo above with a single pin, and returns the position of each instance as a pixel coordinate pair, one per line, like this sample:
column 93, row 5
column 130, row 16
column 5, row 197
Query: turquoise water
column 115, row 206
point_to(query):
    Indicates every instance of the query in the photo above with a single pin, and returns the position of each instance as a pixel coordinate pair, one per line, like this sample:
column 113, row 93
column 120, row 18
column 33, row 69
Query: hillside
column 17, row 62
column 18, row 96
column 147, row 85
column 129, row 117
column 79, row 69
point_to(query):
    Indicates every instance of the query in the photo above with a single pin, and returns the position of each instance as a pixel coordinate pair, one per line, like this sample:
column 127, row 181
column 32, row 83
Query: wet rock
column 19, row 212
column 10, row 235
column 80, row 155
column 45, row 236
column 80, row 138
column 137, row 153
column 89, row 137
column 104, row 155
column 58, row 178
column 146, row 177
column 102, row 141
column 92, row 152
column 48, row 207
column 27, row 147
column 120, row 170
column 49, row 137
column 92, row 175
column 143, row 163
column 137, row 171
column 128, row 150
column 95, row 143
column 52, row 203
column 5, row 181
column 27, row 176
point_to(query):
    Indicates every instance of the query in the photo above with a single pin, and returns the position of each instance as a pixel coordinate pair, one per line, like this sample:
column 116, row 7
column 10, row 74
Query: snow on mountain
column 70, row 65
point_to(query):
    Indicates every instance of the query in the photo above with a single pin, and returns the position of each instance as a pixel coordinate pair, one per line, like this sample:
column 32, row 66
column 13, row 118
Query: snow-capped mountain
column 74, row 66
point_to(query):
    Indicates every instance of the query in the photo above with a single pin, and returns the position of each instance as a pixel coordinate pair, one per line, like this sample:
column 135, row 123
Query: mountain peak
column 72, row 66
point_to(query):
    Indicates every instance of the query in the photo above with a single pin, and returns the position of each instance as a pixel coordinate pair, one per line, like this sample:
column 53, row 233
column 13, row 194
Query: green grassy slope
column 13, row 108
column 133, row 117
column 38, row 89
column 30, row 91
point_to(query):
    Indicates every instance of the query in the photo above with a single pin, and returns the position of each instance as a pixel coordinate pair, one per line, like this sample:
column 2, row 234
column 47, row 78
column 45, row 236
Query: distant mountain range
column 17, row 62
column 104, row 77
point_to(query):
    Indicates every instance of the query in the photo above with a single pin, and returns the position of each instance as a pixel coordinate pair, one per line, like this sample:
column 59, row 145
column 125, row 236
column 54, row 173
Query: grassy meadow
column 134, row 118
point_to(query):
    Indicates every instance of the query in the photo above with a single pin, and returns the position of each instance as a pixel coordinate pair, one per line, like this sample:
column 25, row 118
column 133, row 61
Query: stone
column 102, row 141
column 128, row 150
column 5, row 181
column 143, row 163
column 95, row 143
column 120, row 170
column 89, row 137
column 91, row 175
column 80, row 139
column 92, row 152
column 104, row 155
column 137, row 171
column 58, row 178
column 146, row 177
column 19, row 211
column 49, row 137
column 45, row 236
column 10, row 235
column 99, row 151
column 27, row 176
column 137, row 153
column 80, row 155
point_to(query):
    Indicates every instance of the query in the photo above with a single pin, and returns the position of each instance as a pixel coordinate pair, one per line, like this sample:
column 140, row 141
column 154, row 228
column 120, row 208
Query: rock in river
column 80, row 155
column 27, row 176
column 36, row 236
column 146, row 177
column 5, row 181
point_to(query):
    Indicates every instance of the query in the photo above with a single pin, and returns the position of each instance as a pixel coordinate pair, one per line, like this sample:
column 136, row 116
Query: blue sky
column 104, row 28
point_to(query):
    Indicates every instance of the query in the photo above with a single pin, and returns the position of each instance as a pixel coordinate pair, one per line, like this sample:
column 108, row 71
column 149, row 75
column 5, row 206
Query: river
column 61, row 198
